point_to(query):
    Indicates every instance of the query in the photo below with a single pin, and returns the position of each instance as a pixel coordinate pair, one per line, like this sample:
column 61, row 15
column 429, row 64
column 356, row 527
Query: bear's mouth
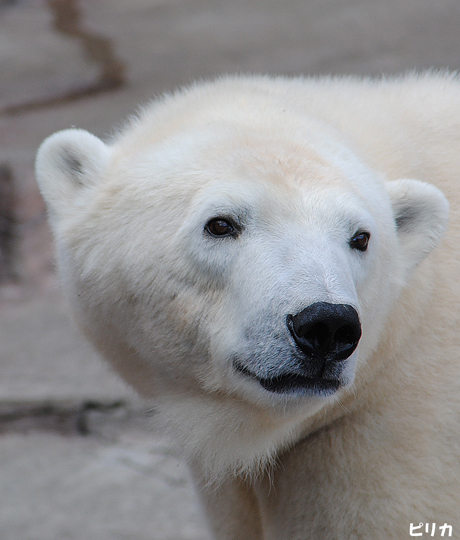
column 293, row 383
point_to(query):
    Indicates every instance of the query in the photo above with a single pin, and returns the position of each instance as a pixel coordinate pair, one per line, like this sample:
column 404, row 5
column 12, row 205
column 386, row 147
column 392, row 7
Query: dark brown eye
column 220, row 227
column 360, row 241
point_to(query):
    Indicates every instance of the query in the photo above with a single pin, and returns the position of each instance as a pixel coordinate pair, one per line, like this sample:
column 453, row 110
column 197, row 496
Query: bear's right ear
column 66, row 163
column 420, row 211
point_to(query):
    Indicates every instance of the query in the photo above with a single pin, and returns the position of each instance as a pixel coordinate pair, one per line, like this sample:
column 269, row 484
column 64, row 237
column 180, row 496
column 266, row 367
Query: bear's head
column 237, row 268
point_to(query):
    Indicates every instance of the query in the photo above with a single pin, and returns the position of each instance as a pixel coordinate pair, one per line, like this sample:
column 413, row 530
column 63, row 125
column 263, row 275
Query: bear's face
column 276, row 252
column 254, row 269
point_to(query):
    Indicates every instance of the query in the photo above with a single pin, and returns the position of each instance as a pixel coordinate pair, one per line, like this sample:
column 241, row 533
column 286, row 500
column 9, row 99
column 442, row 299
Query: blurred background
column 77, row 461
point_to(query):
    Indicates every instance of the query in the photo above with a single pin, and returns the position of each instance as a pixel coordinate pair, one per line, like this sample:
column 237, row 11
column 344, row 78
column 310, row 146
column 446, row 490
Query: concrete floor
column 77, row 460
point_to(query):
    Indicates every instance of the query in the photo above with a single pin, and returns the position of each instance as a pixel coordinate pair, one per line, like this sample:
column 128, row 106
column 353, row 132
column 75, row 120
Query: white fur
column 301, row 166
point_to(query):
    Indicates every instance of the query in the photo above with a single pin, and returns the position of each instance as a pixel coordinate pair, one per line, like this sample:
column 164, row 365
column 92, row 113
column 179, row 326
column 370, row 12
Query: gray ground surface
column 77, row 460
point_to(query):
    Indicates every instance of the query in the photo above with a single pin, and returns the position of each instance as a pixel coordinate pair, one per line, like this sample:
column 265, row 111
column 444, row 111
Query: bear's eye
column 360, row 240
column 220, row 227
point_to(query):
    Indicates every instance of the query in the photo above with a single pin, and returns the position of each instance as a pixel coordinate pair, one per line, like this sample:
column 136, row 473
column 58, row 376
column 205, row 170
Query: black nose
column 326, row 332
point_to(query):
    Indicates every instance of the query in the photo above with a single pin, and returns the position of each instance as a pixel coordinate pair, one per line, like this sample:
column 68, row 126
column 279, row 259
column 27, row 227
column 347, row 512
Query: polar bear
column 265, row 259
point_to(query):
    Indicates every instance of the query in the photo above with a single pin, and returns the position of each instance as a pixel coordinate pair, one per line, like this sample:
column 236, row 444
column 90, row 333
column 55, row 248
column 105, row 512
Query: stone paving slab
column 69, row 488
column 44, row 357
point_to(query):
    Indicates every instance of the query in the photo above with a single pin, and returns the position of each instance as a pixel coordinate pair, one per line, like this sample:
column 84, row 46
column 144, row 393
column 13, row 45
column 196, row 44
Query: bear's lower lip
column 293, row 383
column 286, row 384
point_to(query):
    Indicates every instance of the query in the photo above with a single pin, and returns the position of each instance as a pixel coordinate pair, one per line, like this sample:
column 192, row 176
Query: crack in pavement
column 97, row 49
column 61, row 418
column 7, row 222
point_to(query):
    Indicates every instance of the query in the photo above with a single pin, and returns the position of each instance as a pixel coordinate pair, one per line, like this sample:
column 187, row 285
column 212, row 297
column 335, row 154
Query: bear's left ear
column 66, row 163
column 420, row 211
